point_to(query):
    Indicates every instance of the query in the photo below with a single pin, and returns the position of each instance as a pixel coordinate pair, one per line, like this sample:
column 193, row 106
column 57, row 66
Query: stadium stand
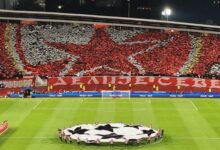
column 82, row 50
column 7, row 66
column 209, row 54
column 58, row 53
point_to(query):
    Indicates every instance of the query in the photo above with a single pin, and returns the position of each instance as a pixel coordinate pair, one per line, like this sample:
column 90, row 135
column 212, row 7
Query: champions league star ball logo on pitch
column 110, row 134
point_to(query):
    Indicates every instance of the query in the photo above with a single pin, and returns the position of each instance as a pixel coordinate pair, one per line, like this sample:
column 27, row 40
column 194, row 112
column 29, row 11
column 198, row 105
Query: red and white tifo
column 111, row 133
column 4, row 127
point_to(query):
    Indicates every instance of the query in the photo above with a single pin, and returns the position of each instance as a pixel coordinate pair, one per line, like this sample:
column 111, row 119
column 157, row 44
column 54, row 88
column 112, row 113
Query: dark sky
column 194, row 10
column 197, row 11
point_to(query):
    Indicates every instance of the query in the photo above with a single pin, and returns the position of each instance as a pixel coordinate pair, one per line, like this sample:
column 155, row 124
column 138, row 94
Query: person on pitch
column 60, row 134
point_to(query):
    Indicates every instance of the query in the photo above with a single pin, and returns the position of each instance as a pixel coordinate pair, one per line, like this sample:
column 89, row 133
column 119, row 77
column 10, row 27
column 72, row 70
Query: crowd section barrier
column 133, row 94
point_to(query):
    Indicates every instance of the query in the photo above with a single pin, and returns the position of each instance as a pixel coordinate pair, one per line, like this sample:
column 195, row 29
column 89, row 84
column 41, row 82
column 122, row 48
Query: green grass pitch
column 190, row 124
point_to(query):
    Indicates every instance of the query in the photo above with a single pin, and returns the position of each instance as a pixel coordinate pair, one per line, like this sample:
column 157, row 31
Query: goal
column 116, row 94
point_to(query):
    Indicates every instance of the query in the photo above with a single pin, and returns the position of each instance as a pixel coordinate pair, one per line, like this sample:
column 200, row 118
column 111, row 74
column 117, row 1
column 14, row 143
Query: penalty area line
column 196, row 138
column 148, row 101
column 113, row 110
column 195, row 107
column 92, row 109
column 19, row 137
column 37, row 105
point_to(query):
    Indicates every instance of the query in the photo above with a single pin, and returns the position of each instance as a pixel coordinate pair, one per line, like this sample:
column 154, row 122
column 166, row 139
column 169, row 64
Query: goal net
column 116, row 94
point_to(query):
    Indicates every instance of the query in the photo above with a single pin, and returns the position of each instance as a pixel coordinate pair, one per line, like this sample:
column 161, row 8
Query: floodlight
column 59, row 7
column 167, row 12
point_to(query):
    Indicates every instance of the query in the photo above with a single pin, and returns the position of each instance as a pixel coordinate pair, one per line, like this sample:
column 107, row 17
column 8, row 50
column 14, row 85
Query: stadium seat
column 82, row 50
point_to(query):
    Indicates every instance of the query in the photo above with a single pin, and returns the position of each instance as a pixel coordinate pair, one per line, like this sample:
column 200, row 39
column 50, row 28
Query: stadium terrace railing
column 116, row 21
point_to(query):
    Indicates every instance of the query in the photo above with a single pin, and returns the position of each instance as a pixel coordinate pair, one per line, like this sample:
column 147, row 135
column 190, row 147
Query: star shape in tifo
column 103, row 56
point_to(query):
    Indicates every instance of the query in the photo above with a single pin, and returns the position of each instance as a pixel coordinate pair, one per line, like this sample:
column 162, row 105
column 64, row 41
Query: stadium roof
column 117, row 21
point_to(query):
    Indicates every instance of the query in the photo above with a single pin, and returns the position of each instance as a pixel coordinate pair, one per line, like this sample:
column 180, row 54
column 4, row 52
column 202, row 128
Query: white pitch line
column 37, row 105
column 19, row 137
column 118, row 102
column 196, row 108
column 91, row 109
column 197, row 138
column 113, row 110
column 175, row 138
column 148, row 101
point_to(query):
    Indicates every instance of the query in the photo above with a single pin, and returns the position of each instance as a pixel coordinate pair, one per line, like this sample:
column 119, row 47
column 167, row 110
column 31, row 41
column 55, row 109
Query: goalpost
column 116, row 94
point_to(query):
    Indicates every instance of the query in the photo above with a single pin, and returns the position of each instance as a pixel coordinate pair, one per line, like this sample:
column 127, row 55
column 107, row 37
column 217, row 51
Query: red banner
column 18, row 83
column 138, row 80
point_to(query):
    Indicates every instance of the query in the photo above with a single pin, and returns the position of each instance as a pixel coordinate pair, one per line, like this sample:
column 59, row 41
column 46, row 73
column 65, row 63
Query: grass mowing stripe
column 70, row 118
column 150, row 120
column 15, row 114
column 103, row 116
column 30, row 126
column 106, row 112
column 5, row 105
column 147, row 118
column 121, row 114
column 182, row 123
column 37, row 105
column 86, row 116
column 173, row 124
column 210, row 112
column 83, row 116
column 198, row 127
column 196, row 108
column 49, row 129
column 144, row 116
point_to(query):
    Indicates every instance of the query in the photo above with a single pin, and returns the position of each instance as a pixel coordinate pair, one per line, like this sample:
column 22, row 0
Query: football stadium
column 88, row 82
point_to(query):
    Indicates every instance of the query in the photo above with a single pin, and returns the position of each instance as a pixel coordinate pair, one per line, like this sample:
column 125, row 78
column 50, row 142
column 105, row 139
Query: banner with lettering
column 135, row 80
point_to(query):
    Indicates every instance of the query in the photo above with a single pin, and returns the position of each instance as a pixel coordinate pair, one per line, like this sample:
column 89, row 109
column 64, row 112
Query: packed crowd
column 215, row 69
column 209, row 55
column 7, row 66
column 82, row 50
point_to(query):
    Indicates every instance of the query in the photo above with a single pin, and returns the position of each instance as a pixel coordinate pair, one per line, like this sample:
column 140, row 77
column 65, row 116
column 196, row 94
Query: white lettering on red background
column 124, row 80
column 139, row 80
column 199, row 83
column 93, row 80
column 76, row 81
column 164, row 81
column 182, row 82
column 60, row 81
column 215, row 84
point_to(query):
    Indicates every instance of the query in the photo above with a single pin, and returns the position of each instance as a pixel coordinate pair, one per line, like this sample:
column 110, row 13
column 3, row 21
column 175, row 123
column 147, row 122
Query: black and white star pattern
column 109, row 133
